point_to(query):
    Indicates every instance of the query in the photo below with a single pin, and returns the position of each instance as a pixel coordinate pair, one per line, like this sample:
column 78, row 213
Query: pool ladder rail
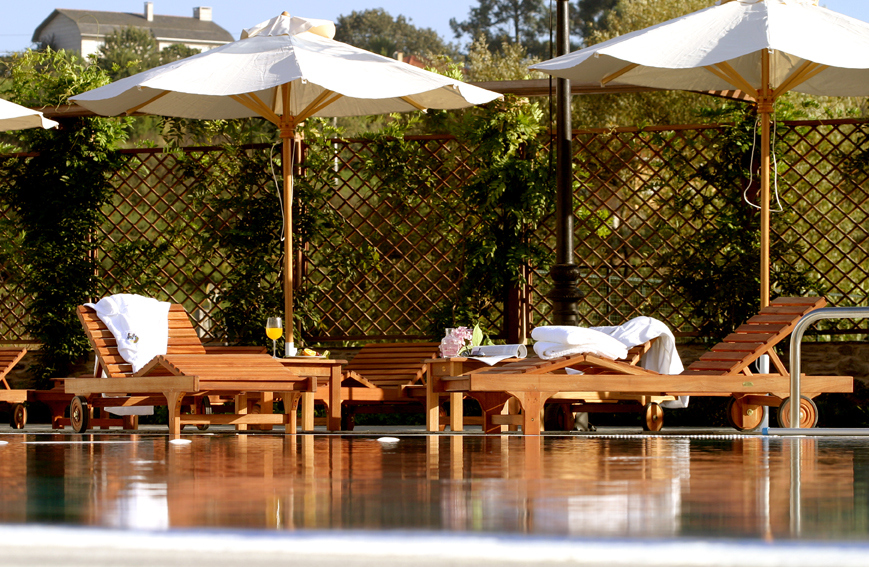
column 823, row 314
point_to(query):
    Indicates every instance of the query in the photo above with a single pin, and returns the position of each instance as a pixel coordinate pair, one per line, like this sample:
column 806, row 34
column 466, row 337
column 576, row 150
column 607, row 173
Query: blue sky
column 20, row 18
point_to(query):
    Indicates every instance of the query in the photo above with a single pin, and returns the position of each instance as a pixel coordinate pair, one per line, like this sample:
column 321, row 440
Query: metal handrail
column 797, row 337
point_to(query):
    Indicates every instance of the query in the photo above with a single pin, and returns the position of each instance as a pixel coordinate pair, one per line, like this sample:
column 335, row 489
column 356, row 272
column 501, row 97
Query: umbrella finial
column 285, row 13
column 291, row 25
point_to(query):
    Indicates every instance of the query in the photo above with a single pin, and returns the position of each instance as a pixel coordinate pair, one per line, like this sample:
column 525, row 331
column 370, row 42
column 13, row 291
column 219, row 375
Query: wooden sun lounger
column 723, row 371
column 381, row 377
column 186, row 374
column 9, row 357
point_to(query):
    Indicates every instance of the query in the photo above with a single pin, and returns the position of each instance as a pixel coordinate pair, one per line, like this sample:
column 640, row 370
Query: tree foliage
column 505, row 203
column 524, row 22
column 612, row 19
column 509, row 64
column 377, row 31
column 56, row 199
column 589, row 16
column 131, row 50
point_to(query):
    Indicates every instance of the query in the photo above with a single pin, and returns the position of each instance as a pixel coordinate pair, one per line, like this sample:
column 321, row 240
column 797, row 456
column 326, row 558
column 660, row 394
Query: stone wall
column 820, row 359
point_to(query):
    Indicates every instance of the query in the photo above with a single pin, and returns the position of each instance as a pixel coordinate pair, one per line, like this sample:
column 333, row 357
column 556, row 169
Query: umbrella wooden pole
column 765, row 108
column 764, row 209
column 287, row 168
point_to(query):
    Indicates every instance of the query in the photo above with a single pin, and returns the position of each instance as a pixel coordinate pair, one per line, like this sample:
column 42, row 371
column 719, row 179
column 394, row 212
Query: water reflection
column 752, row 487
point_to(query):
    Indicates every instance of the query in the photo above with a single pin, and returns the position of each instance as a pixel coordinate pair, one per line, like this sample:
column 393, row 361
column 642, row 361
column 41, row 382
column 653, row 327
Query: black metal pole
column 564, row 274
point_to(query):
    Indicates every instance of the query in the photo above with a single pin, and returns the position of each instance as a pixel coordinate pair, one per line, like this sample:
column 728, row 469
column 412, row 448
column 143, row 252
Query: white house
column 85, row 30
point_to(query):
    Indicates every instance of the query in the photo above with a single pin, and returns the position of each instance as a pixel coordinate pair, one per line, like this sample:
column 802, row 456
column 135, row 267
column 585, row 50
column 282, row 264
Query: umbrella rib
column 324, row 104
column 806, row 71
column 725, row 71
column 317, row 104
column 252, row 102
column 612, row 77
column 146, row 103
column 413, row 103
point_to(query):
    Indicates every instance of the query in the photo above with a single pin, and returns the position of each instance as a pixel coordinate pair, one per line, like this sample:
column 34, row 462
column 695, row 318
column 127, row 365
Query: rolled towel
column 558, row 340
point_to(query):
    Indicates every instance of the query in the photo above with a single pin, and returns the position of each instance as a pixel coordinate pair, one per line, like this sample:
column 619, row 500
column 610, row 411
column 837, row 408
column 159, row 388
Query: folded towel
column 493, row 354
column 575, row 340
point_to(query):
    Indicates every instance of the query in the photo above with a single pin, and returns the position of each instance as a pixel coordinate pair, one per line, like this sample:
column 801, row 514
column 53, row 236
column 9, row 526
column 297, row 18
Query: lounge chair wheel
column 653, row 417
column 18, row 419
column 743, row 416
column 557, row 417
column 79, row 414
column 808, row 413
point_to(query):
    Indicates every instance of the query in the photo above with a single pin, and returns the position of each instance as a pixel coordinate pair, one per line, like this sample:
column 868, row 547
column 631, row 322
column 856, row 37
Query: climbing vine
column 55, row 197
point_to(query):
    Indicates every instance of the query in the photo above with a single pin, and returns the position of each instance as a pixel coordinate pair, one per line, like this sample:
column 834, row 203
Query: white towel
column 562, row 340
column 139, row 324
column 662, row 356
column 553, row 341
column 141, row 327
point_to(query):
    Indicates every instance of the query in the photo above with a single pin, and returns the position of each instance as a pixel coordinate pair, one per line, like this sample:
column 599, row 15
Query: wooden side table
column 442, row 367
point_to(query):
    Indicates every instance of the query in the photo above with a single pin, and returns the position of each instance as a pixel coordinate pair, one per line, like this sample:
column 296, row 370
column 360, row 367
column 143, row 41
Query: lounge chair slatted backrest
column 182, row 340
column 384, row 365
column 755, row 337
column 9, row 357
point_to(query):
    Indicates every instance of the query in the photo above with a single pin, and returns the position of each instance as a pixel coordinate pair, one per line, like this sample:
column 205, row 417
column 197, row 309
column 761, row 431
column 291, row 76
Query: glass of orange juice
column 274, row 330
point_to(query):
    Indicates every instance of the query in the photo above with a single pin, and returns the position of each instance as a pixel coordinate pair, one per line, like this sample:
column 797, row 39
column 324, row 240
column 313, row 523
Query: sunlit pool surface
column 634, row 486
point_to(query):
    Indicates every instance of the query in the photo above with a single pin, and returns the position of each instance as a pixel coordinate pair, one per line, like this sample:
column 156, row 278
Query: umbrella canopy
column 285, row 70
column 16, row 117
column 761, row 47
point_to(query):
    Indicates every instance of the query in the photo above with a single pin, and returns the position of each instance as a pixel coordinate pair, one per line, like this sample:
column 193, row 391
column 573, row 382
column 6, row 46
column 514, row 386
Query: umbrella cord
column 277, row 187
column 780, row 209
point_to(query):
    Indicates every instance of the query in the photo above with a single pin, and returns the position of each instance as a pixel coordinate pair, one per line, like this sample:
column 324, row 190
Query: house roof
column 91, row 22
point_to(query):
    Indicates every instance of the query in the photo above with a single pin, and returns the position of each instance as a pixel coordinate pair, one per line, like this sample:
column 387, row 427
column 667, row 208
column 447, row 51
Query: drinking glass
column 274, row 330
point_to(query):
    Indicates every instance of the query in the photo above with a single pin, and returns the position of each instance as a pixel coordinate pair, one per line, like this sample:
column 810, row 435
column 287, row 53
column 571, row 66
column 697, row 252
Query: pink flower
column 455, row 341
column 463, row 333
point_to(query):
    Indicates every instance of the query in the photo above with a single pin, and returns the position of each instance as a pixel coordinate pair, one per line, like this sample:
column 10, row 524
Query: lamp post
column 564, row 273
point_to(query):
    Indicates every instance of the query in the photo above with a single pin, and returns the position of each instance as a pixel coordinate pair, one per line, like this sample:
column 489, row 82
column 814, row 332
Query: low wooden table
column 324, row 372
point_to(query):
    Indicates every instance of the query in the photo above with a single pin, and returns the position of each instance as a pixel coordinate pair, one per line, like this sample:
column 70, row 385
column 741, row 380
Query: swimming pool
column 716, row 488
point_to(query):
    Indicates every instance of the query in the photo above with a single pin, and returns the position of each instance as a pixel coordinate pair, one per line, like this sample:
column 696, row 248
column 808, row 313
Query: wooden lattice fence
column 393, row 258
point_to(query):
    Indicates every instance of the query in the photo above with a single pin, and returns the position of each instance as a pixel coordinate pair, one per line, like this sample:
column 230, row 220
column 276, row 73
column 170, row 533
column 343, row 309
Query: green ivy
column 246, row 184
column 712, row 260
column 506, row 202
column 56, row 199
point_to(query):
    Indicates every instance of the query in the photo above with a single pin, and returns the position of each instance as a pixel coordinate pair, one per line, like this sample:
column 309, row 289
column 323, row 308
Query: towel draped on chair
column 140, row 326
column 613, row 342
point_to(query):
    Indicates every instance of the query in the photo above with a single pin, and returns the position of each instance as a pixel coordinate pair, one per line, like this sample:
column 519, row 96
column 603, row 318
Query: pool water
column 634, row 486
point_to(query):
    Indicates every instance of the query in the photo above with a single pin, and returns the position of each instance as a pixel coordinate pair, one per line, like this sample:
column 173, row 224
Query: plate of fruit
column 311, row 353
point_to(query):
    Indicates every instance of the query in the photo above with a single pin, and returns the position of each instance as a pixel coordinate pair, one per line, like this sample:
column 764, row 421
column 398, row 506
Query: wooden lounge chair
column 186, row 374
column 9, row 357
column 381, row 377
column 723, row 371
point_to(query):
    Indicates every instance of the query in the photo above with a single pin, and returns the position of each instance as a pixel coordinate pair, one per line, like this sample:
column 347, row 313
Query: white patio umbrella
column 16, row 117
column 761, row 47
column 285, row 70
